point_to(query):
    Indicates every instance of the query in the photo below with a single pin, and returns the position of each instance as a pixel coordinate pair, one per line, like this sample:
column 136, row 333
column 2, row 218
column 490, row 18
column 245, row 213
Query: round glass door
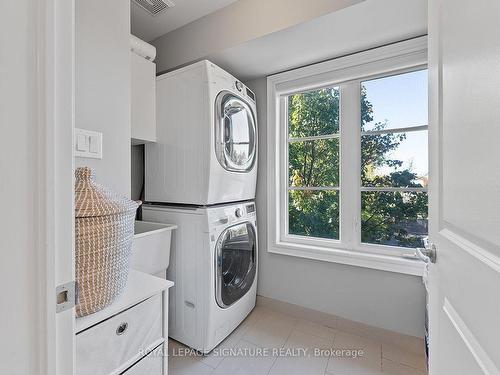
column 236, row 263
column 236, row 139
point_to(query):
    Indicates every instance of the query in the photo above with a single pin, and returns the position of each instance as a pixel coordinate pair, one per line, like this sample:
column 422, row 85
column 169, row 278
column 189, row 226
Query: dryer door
column 236, row 133
column 235, row 263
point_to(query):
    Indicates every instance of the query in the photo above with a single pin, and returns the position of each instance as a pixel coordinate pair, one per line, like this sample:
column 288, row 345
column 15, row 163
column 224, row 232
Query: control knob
column 238, row 212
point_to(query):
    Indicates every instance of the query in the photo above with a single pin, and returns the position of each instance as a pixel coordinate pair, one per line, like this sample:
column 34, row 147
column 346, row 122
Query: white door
column 464, row 68
column 36, row 185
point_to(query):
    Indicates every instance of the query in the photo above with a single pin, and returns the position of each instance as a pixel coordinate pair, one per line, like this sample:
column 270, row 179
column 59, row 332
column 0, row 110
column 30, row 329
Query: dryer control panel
column 240, row 87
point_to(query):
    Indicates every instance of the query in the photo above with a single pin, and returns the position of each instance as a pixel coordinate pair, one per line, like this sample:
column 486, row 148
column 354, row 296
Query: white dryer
column 214, row 267
column 206, row 149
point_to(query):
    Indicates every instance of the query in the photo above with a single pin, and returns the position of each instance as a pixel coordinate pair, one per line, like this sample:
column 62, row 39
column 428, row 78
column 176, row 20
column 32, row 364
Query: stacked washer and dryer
column 201, row 175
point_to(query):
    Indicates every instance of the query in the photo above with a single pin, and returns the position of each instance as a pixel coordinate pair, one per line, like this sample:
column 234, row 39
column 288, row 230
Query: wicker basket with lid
column 104, row 228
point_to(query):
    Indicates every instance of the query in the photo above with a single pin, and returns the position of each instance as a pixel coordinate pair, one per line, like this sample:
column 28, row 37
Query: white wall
column 103, row 86
column 383, row 299
column 137, row 169
column 19, row 310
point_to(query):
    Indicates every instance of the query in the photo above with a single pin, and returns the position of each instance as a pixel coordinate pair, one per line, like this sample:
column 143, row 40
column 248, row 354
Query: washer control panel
column 225, row 215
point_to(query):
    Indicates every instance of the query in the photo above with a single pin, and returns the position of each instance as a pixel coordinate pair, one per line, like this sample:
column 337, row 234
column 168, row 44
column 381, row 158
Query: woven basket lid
column 92, row 199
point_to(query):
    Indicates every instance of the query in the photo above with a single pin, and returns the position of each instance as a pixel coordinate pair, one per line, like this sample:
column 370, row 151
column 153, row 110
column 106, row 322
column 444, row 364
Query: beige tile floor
column 268, row 342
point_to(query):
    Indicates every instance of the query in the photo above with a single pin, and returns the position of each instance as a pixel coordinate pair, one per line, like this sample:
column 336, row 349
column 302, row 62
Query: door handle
column 427, row 254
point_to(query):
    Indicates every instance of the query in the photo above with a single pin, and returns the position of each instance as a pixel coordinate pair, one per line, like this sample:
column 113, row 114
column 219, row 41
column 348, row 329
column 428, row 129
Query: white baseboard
column 406, row 342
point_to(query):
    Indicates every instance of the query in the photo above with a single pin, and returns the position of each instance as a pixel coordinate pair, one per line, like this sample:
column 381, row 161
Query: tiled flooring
column 268, row 342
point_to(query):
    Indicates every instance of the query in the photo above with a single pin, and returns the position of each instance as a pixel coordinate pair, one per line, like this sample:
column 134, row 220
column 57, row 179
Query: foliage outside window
column 393, row 149
column 313, row 173
column 394, row 173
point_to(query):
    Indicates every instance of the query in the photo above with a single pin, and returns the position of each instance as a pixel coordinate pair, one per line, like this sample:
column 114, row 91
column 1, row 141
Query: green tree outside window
column 387, row 217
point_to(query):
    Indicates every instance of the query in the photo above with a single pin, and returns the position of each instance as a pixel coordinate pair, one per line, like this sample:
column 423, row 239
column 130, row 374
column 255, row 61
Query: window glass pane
column 313, row 113
column 394, row 160
column 314, row 163
column 313, row 213
column 394, row 218
column 397, row 101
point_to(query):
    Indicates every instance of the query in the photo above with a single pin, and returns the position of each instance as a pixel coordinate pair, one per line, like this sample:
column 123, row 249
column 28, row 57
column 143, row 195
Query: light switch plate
column 88, row 144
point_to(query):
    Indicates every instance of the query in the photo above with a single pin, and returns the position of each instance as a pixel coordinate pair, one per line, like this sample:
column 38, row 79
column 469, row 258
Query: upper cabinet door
column 143, row 100
column 236, row 134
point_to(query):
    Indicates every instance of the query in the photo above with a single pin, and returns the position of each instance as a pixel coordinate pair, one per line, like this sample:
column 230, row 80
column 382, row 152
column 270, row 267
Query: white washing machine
column 206, row 148
column 214, row 267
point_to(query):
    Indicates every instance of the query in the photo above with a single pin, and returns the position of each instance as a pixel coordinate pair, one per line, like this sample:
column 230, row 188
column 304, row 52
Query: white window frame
column 346, row 71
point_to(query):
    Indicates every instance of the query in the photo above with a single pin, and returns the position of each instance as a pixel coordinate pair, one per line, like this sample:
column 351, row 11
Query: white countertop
column 140, row 286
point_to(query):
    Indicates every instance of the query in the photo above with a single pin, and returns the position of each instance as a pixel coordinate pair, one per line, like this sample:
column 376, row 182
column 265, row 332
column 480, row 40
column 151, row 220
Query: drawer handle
column 121, row 329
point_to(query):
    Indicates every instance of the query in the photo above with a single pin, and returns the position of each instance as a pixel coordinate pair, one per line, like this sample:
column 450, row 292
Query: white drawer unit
column 129, row 336
column 106, row 346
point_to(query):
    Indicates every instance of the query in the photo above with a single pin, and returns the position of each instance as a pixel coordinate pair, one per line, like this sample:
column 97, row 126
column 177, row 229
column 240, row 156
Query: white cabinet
column 130, row 336
column 143, row 99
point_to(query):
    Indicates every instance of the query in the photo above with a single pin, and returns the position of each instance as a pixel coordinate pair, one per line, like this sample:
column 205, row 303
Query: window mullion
column 350, row 155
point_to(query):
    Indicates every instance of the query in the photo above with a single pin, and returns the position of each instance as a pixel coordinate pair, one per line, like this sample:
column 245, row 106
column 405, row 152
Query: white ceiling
column 369, row 24
column 147, row 27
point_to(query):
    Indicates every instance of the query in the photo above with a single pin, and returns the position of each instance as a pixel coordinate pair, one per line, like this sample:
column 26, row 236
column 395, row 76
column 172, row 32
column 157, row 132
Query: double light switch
column 88, row 144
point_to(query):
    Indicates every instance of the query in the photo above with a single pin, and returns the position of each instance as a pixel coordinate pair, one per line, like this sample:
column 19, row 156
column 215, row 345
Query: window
column 313, row 163
column 347, row 159
column 394, row 171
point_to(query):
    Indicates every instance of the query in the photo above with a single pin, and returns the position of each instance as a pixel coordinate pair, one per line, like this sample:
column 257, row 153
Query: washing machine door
column 235, row 263
column 236, row 133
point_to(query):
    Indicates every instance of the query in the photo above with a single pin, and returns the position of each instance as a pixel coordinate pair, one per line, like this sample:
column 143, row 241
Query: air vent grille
column 154, row 7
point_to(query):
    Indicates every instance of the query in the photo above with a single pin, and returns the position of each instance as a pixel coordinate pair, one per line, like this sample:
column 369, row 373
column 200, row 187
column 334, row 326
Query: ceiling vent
column 154, row 7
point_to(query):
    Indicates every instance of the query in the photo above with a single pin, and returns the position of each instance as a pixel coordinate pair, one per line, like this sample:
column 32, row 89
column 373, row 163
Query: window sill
column 354, row 257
